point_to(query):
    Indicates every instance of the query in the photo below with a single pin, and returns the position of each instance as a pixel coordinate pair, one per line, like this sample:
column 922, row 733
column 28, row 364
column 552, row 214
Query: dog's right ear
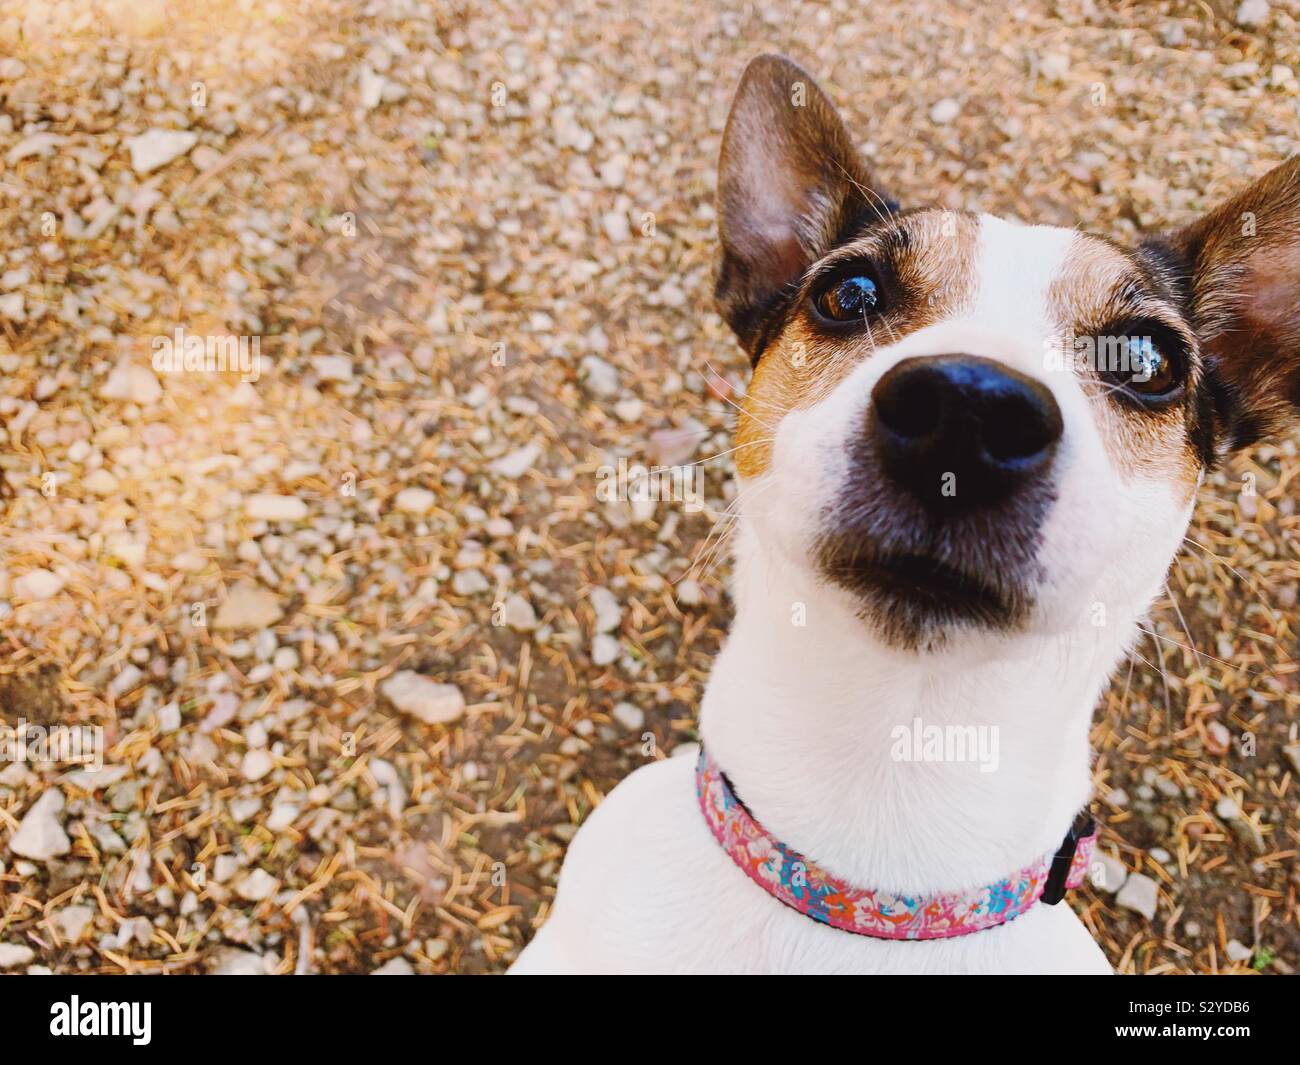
column 790, row 186
column 1239, row 266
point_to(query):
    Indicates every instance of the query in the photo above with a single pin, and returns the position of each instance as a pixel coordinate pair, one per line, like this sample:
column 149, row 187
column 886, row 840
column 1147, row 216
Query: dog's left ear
column 1241, row 268
column 790, row 184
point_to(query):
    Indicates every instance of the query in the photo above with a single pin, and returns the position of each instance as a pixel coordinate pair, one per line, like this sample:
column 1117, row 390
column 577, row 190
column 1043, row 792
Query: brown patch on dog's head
column 793, row 193
column 923, row 262
column 1238, row 269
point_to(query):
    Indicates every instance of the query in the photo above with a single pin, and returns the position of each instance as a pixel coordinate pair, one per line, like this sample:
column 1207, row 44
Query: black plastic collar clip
column 1054, row 889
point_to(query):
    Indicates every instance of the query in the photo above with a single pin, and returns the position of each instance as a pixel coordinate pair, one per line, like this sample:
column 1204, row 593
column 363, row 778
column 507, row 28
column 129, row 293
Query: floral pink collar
column 803, row 886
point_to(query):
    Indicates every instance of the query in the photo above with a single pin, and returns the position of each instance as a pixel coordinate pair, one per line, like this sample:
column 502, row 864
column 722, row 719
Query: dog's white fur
column 800, row 717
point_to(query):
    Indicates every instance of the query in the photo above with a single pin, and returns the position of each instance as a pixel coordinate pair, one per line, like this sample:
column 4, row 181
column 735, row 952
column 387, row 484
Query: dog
column 955, row 507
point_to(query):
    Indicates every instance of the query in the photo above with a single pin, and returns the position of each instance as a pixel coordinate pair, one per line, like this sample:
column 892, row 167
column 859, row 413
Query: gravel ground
column 363, row 645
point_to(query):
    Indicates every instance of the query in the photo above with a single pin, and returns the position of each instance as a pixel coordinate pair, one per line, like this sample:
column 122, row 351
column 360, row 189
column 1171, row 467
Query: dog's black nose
column 960, row 432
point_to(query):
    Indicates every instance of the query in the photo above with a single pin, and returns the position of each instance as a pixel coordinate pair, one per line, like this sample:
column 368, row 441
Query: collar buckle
column 1059, row 874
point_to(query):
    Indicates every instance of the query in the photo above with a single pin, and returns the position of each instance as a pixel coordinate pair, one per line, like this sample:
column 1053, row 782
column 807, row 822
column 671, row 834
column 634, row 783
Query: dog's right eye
column 848, row 298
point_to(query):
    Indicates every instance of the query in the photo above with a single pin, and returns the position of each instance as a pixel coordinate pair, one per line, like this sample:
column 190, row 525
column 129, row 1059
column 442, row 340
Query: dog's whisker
column 1202, row 654
column 1178, row 610
column 732, row 402
column 724, row 454
column 1272, row 614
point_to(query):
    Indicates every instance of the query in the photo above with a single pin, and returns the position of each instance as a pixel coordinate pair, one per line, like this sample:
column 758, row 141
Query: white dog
column 967, row 456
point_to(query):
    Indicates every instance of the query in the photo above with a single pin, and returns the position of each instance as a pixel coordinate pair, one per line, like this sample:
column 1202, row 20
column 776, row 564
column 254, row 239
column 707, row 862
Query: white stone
column 518, row 462
column 1107, row 873
column 158, row 147
column 99, row 482
column 13, row 955
column 37, row 144
column 398, row 966
column 40, row 834
column 599, row 376
column 604, row 649
column 415, row 501
column 1238, row 952
column 469, row 582
column 13, row 305
column 630, row 716
column 1139, row 894
column 944, row 111
column 257, row 764
column 132, row 383
column 422, row 698
column 332, row 367
column 268, row 507
column 372, row 87
column 608, row 611
column 519, row 614
column 248, row 606
column 169, row 718
column 282, row 815
column 1055, row 66
column 37, row 584
column 231, row 961
column 689, row 592
column 256, row 886
column 1252, row 13
column 72, row 922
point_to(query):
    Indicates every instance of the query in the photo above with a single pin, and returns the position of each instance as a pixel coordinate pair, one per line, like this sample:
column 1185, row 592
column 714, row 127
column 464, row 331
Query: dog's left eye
column 1149, row 371
column 848, row 298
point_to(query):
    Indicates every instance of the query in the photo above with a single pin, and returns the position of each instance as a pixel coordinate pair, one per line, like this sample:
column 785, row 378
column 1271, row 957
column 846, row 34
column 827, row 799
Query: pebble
column 15, row 955
column 1107, row 873
column 1055, row 66
column 158, row 147
column 40, row 834
column 397, row 966
column 944, row 111
column 100, row 482
column 599, row 377
column 1218, row 740
column 265, row 507
column 518, row 462
column 609, row 613
column 519, row 614
column 248, row 606
column 72, row 922
column 38, row 144
column 605, row 649
column 257, row 763
column 1253, row 13
column 689, row 592
column 256, row 886
column 417, row 501
column 469, row 582
column 1139, row 893
column 337, row 368
column 1238, row 953
column 630, row 716
column 129, row 382
column 429, row 701
column 629, row 410
column 231, row 961
column 37, row 584
column 13, row 306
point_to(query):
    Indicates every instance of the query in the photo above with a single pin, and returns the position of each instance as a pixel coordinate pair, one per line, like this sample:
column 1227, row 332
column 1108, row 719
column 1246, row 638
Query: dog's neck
column 802, row 719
